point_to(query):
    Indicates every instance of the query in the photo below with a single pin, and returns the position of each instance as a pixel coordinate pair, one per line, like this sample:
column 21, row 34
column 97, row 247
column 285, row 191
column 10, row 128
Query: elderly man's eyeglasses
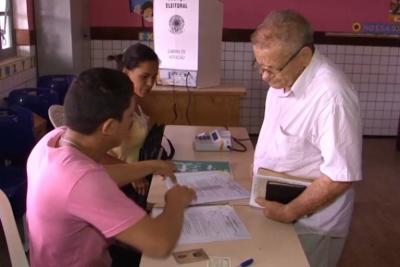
column 273, row 72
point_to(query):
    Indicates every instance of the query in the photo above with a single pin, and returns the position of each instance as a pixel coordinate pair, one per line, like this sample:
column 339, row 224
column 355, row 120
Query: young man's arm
column 125, row 173
column 141, row 185
column 319, row 193
column 157, row 237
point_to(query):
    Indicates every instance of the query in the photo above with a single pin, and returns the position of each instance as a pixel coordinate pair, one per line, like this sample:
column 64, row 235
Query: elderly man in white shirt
column 311, row 129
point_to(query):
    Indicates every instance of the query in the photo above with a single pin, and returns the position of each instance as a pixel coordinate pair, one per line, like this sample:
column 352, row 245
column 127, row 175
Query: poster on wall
column 143, row 8
column 394, row 11
column 382, row 28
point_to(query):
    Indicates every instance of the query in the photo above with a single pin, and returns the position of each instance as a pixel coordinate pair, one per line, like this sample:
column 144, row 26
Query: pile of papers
column 211, row 186
column 211, row 222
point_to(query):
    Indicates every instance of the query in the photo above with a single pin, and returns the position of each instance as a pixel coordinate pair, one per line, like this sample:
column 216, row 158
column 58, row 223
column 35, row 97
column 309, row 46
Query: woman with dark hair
column 140, row 63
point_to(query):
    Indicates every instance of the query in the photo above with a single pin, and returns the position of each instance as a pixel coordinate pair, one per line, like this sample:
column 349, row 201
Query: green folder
column 196, row 166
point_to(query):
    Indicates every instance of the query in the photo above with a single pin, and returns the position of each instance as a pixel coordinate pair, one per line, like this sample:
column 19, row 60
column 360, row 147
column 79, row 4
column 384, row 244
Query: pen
column 246, row 263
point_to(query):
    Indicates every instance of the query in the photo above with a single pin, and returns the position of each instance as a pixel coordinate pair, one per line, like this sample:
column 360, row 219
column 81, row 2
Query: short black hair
column 133, row 56
column 96, row 95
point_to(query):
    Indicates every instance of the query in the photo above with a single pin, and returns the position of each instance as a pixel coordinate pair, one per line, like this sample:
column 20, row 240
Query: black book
column 283, row 192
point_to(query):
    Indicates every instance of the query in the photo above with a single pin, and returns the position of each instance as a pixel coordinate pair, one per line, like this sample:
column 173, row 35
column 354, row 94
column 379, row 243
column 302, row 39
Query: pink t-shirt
column 73, row 207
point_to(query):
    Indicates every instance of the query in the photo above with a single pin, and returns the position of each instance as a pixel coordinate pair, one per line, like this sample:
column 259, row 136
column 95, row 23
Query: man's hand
column 141, row 186
column 275, row 211
column 319, row 193
column 165, row 169
column 180, row 196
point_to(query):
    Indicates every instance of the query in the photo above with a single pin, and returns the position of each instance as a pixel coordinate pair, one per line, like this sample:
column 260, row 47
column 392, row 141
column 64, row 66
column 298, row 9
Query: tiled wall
column 375, row 71
column 18, row 72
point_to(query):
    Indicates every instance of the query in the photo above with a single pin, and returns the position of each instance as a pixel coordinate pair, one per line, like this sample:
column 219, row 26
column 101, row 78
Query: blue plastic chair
column 37, row 100
column 16, row 142
column 17, row 136
column 59, row 83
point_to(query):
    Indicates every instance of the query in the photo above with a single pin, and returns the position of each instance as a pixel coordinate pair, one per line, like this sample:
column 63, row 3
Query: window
column 7, row 41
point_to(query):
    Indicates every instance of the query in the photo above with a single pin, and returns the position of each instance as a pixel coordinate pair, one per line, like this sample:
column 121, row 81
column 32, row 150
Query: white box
column 187, row 39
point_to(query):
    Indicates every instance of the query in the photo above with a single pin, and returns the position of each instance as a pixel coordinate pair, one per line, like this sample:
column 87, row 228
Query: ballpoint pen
column 246, row 263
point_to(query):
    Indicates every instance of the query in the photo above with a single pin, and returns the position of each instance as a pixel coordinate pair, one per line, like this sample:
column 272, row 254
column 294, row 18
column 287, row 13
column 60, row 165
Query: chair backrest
column 37, row 100
column 14, row 243
column 60, row 83
column 17, row 136
column 56, row 115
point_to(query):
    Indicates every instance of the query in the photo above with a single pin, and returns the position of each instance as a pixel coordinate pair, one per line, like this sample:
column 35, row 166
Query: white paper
column 219, row 262
column 210, row 223
column 177, row 47
column 211, row 186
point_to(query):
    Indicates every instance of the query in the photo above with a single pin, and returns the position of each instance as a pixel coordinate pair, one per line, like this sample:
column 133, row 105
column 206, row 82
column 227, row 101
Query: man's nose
column 266, row 76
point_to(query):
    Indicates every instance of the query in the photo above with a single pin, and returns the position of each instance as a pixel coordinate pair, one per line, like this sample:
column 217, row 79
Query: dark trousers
column 123, row 255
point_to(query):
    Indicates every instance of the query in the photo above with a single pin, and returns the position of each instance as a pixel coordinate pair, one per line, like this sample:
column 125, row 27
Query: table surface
column 271, row 243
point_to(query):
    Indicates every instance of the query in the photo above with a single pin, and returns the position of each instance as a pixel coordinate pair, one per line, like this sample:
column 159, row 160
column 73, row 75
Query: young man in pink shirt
column 75, row 208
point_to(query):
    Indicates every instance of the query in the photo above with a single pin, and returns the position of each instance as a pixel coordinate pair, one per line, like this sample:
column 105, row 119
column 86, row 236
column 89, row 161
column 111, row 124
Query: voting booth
column 187, row 39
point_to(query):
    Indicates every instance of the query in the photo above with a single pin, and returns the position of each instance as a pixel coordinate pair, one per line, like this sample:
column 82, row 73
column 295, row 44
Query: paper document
column 211, row 187
column 196, row 166
column 210, row 223
column 259, row 184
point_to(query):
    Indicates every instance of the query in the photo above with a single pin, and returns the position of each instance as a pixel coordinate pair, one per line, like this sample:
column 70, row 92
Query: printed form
column 211, row 186
column 210, row 223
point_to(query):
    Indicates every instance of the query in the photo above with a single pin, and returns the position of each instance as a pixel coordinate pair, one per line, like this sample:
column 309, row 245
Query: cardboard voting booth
column 187, row 39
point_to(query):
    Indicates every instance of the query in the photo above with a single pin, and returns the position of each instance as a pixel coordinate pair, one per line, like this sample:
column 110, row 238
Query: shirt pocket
column 288, row 150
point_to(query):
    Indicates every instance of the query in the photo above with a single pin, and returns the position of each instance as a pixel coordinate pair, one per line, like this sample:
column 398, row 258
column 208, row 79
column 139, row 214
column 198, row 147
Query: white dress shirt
column 311, row 130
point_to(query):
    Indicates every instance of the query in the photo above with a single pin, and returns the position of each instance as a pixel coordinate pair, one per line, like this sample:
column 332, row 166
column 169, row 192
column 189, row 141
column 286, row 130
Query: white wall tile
column 107, row 44
column 97, row 44
column 117, row 45
column 229, row 46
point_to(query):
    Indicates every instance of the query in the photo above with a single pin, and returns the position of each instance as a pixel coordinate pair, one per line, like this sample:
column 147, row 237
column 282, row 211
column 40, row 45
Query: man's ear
column 109, row 126
column 307, row 54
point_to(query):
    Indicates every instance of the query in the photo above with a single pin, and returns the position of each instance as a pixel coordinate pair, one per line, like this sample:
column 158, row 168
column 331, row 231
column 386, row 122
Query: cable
column 239, row 142
column 174, row 108
column 189, row 99
column 243, row 146
column 243, row 139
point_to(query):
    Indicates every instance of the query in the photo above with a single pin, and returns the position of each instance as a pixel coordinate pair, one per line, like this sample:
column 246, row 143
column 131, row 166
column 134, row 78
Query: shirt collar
column 300, row 85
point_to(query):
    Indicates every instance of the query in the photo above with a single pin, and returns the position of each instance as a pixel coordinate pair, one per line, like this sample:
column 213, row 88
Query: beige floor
column 374, row 239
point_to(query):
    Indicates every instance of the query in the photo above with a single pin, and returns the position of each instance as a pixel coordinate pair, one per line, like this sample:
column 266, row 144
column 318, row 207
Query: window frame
column 11, row 51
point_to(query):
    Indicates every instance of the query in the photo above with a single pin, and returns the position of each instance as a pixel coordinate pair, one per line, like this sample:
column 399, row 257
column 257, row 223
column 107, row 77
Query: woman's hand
column 165, row 168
